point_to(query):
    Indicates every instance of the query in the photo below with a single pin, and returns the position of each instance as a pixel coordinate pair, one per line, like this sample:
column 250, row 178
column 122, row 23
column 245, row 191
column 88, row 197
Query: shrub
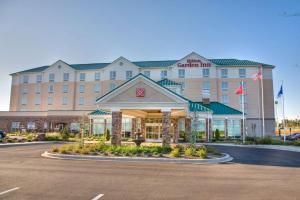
column 54, row 149
column 189, row 151
column 201, row 153
column 29, row 137
column 217, row 135
column 65, row 134
column 265, row 140
column 175, row 152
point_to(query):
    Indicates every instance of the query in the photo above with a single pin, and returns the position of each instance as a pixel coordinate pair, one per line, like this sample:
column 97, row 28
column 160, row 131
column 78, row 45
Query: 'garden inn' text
column 164, row 100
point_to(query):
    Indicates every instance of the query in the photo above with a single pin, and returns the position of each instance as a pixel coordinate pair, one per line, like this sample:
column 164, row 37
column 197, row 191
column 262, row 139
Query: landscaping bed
column 131, row 150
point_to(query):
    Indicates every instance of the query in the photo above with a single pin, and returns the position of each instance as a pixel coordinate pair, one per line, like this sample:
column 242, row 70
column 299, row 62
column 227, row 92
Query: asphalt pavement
column 253, row 174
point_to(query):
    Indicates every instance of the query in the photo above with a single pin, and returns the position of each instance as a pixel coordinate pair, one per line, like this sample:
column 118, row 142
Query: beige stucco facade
column 43, row 100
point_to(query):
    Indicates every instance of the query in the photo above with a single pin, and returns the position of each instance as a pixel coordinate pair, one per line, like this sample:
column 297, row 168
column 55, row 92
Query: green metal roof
column 154, row 64
column 167, row 82
column 100, row 112
column 197, row 107
column 216, row 107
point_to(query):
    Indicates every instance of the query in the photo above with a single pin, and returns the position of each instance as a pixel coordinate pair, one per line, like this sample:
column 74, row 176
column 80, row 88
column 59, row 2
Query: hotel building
column 164, row 100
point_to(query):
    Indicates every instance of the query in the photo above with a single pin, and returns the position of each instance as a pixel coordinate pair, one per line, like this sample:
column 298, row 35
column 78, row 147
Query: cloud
column 286, row 14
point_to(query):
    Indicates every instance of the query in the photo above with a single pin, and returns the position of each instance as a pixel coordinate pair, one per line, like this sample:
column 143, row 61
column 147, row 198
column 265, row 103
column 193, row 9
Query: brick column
column 226, row 128
column 176, row 131
column 208, row 130
column 133, row 128
column 188, row 128
column 116, row 128
column 166, row 124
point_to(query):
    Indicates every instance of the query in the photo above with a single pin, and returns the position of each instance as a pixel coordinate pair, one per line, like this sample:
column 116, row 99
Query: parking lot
column 253, row 174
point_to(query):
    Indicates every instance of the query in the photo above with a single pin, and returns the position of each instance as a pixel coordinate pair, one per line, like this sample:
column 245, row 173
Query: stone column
column 226, row 128
column 166, row 124
column 176, row 131
column 116, row 128
column 188, row 128
column 208, row 129
column 143, row 126
column 133, row 128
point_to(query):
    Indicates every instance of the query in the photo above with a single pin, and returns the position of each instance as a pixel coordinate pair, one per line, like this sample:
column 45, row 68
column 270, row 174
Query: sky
column 37, row 33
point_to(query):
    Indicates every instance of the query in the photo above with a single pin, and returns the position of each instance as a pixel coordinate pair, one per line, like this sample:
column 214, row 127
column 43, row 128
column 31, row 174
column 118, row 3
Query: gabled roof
column 216, row 107
column 156, row 64
column 140, row 74
column 167, row 82
column 99, row 112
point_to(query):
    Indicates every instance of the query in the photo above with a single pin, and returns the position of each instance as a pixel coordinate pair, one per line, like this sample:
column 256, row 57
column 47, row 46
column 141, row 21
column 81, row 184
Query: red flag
column 258, row 76
column 240, row 90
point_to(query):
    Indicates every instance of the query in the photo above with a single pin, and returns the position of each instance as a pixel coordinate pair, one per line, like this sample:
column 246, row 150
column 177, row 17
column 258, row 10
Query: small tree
column 217, row 135
column 65, row 133
column 107, row 135
column 83, row 122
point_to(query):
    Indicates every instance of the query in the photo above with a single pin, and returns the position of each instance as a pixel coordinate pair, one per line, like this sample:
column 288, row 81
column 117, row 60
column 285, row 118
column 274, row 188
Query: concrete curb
column 30, row 143
column 224, row 159
column 273, row 147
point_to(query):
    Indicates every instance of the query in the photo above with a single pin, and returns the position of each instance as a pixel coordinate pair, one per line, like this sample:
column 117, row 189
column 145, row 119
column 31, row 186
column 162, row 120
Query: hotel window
column 64, row 100
column 224, row 73
column 242, row 73
column 24, row 100
column 112, row 86
column 163, row 74
column 81, row 88
column 50, row 88
column 38, row 78
column 24, row 89
column 31, row 125
column 225, row 99
column 224, row 86
column 65, row 88
column 128, row 75
column 206, row 89
column 38, row 100
column 81, row 100
column 25, row 79
column 82, row 77
column 112, row 75
column 51, row 77
column 181, row 73
column 50, row 100
column 15, row 125
column 97, row 88
column 97, row 76
column 245, row 99
column 147, row 74
column 66, row 76
column 38, row 89
column 205, row 72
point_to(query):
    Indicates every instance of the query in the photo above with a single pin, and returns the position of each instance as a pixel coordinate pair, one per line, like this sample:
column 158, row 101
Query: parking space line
column 10, row 190
column 98, row 196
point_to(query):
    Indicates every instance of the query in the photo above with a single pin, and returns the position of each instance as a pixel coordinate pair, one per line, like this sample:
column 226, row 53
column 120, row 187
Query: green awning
column 100, row 112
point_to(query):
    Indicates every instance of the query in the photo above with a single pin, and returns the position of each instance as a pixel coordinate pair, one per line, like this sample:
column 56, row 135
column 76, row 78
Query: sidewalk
column 29, row 143
column 263, row 146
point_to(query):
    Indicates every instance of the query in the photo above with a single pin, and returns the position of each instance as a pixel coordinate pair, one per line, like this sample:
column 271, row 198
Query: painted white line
column 7, row 191
column 98, row 196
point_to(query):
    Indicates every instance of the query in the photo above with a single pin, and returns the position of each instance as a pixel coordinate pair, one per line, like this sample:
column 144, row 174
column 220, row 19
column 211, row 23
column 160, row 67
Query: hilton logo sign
column 140, row 92
column 194, row 63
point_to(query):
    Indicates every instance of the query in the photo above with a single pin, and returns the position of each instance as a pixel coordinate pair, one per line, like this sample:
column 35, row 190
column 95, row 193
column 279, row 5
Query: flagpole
column 262, row 99
column 258, row 100
column 243, row 108
column 283, row 113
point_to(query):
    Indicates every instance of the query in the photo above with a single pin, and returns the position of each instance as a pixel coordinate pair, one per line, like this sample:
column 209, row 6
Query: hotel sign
column 194, row 63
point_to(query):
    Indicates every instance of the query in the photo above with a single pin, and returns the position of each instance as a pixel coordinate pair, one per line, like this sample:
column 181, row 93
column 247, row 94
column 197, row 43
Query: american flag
column 258, row 76
column 140, row 92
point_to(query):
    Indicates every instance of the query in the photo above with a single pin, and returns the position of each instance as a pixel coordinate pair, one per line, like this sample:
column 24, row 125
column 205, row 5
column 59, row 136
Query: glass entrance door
column 153, row 132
